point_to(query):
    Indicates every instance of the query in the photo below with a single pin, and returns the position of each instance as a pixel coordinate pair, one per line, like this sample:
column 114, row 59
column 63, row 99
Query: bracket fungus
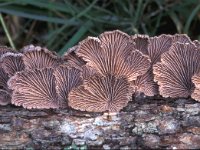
column 36, row 57
column 34, row 89
column 141, row 42
column 196, row 81
column 3, row 78
column 5, row 97
column 101, row 73
column 197, row 43
column 66, row 79
column 5, row 49
column 176, row 69
column 100, row 94
column 111, row 62
column 182, row 38
column 72, row 59
column 154, row 47
column 113, row 53
column 12, row 63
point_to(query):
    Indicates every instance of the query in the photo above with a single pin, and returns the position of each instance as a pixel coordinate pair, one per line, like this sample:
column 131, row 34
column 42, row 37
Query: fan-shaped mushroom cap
column 181, row 38
column 66, row 79
column 4, row 97
column 87, row 72
column 176, row 69
column 153, row 47
column 196, row 81
column 5, row 49
column 72, row 59
column 12, row 63
column 34, row 89
column 157, row 46
column 141, row 42
column 113, row 53
column 30, row 48
column 101, row 94
column 3, row 78
column 38, row 58
column 145, row 84
column 197, row 43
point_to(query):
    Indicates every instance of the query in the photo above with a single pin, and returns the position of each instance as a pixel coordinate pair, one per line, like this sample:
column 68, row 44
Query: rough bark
column 144, row 123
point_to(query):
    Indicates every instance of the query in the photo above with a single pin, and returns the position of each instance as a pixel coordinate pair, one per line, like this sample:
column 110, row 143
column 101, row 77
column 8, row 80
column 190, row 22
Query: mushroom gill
column 36, row 57
column 34, row 89
column 72, row 59
column 66, row 79
column 176, row 69
column 5, row 97
column 181, row 38
column 3, row 78
column 154, row 47
column 196, row 81
column 100, row 94
column 5, row 49
column 113, row 53
column 12, row 63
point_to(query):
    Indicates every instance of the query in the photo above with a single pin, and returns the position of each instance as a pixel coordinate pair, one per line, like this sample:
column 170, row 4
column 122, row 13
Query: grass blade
column 77, row 36
column 6, row 31
column 191, row 17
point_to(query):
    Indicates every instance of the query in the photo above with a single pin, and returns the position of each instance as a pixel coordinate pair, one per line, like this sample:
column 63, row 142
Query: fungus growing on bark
column 12, row 63
column 154, row 47
column 145, row 84
column 66, row 79
column 87, row 72
column 141, row 42
column 157, row 46
column 196, row 81
column 197, row 43
column 72, row 59
column 176, row 69
column 4, row 97
column 38, row 58
column 34, row 89
column 3, row 78
column 100, row 94
column 5, row 49
column 113, row 53
column 182, row 38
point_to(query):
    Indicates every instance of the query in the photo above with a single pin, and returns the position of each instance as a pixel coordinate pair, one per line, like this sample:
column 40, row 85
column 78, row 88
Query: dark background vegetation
column 60, row 24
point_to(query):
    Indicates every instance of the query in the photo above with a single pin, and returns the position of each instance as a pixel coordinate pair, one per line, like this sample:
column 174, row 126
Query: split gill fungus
column 100, row 74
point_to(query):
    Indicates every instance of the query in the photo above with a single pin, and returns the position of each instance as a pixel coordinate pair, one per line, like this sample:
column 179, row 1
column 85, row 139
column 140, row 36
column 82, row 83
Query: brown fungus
column 196, row 81
column 176, row 69
column 141, row 42
column 3, row 78
column 38, row 58
column 5, row 97
column 87, row 72
column 157, row 46
column 5, row 49
column 181, row 38
column 197, row 43
column 34, row 89
column 154, row 47
column 145, row 84
column 113, row 53
column 12, row 63
column 100, row 94
column 72, row 59
column 66, row 79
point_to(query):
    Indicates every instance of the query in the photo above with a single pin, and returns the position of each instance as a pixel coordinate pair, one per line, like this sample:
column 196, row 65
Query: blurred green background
column 60, row 24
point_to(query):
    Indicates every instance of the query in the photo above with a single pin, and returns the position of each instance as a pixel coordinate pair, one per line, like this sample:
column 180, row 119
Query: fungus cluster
column 101, row 73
